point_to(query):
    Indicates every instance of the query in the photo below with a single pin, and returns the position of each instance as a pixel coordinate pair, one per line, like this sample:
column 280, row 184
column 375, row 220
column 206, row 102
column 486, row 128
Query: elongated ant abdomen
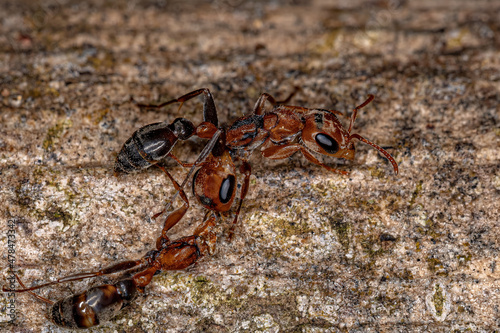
column 151, row 143
column 94, row 306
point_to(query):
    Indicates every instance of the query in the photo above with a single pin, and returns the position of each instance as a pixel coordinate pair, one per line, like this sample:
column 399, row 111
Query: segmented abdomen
column 148, row 145
column 93, row 306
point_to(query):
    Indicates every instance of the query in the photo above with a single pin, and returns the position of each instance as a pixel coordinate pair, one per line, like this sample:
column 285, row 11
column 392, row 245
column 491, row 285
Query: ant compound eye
column 327, row 143
column 194, row 181
column 227, row 189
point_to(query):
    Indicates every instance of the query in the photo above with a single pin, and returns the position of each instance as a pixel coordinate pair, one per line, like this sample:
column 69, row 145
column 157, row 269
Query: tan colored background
column 314, row 251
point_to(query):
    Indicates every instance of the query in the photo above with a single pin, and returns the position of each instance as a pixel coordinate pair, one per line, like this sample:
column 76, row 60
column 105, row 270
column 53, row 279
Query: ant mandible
column 102, row 303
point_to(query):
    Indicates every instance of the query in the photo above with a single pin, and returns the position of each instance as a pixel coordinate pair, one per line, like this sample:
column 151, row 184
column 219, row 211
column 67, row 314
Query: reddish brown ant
column 102, row 303
column 279, row 133
column 285, row 130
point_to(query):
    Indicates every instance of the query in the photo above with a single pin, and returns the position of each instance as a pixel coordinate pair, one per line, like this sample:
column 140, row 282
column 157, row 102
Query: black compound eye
column 194, row 181
column 227, row 189
column 327, row 143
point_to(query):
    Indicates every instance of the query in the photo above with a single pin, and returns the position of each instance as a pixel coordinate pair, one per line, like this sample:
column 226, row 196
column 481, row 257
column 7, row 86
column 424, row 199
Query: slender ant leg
column 265, row 97
column 199, row 161
column 209, row 109
column 119, row 267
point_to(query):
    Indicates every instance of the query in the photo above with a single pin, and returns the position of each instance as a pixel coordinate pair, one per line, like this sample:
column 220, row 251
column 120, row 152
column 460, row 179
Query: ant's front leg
column 287, row 150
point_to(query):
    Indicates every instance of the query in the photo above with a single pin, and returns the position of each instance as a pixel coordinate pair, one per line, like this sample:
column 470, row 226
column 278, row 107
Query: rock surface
column 314, row 251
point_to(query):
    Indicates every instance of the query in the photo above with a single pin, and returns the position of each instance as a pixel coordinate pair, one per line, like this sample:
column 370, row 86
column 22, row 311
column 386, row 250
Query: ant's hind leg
column 209, row 109
column 43, row 299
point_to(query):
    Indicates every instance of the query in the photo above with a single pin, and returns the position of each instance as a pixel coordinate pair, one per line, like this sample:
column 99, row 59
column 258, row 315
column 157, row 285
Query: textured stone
column 314, row 251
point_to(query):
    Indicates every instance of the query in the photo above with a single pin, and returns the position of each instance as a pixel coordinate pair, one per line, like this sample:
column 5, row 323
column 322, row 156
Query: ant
column 102, row 303
column 278, row 133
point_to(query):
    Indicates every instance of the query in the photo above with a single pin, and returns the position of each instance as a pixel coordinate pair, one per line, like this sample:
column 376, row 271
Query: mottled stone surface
column 315, row 251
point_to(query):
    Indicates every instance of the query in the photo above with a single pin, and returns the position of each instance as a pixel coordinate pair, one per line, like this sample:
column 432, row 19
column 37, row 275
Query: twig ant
column 278, row 133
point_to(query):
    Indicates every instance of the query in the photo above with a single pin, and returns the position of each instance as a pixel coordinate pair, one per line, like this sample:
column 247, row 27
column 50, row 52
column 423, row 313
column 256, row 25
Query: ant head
column 214, row 184
column 324, row 134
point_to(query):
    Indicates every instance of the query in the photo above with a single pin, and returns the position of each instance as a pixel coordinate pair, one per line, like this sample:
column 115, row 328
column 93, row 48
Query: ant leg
column 314, row 160
column 259, row 105
column 380, row 149
column 43, row 299
column 206, row 234
column 279, row 152
column 181, row 163
column 175, row 216
column 245, row 169
column 121, row 266
column 199, row 161
column 209, row 109
column 179, row 254
column 155, row 106
column 284, row 151
column 355, row 111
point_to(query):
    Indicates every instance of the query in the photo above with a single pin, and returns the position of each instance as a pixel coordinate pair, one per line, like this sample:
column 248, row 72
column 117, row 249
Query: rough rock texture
column 314, row 251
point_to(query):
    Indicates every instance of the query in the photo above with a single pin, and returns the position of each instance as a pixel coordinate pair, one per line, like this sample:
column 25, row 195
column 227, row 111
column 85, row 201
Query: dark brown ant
column 102, row 303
